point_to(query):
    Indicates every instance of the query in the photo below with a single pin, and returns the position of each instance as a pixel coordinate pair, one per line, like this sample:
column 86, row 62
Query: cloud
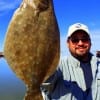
column 95, row 37
column 7, row 5
column 95, row 33
column 63, row 46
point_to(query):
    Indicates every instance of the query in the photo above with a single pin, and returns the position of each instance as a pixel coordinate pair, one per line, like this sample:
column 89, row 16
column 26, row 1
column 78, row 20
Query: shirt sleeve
column 48, row 86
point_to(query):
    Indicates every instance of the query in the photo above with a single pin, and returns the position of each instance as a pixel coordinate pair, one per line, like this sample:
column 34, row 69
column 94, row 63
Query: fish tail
column 33, row 94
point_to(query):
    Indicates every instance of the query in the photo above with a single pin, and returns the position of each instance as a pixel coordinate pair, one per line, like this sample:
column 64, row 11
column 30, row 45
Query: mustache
column 81, row 46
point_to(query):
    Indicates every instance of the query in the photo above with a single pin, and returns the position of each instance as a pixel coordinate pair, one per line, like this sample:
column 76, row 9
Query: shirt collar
column 75, row 61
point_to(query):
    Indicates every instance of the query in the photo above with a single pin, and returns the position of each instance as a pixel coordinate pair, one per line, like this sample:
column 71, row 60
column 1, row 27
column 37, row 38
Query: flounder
column 32, row 44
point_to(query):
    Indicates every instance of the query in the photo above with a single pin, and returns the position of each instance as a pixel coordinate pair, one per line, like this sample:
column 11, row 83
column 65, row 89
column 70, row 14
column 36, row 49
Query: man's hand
column 1, row 54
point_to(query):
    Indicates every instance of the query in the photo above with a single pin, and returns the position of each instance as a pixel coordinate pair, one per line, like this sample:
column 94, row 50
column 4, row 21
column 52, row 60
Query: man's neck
column 84, row 58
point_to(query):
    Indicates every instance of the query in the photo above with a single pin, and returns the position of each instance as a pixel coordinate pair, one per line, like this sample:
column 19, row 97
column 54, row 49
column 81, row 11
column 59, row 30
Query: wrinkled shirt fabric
column 69, row 81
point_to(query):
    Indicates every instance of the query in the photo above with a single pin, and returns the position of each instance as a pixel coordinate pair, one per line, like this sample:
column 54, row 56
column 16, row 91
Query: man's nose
column 80, row 42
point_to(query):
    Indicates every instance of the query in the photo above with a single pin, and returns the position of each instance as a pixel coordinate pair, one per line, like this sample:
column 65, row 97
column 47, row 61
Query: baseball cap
column 76, row 27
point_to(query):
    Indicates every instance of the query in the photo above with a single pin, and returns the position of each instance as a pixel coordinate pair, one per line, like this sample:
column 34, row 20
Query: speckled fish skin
column 32, row 44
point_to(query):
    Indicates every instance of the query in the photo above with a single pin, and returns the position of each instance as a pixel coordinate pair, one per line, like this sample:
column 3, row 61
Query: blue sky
column 84, row 11
column 67, row 12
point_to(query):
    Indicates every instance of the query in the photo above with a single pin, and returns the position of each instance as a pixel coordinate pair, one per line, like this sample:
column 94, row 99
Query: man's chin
column 81, row 54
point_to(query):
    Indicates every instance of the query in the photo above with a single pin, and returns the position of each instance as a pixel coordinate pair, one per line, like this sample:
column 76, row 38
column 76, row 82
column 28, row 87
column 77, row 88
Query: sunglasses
column 76, row 40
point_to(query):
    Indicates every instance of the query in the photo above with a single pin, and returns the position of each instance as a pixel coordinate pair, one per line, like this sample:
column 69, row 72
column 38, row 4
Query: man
column 77, row 76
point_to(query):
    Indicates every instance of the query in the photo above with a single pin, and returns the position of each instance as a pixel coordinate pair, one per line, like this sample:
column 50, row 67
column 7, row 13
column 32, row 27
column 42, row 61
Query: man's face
column 79, row 44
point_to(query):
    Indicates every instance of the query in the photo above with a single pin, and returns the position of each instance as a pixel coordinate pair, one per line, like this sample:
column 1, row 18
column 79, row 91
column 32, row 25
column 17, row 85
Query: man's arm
column 1, row 54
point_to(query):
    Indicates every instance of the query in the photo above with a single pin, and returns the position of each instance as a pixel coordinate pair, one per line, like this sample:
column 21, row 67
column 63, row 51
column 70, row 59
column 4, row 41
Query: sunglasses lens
column 85, row 40
column 76, row 40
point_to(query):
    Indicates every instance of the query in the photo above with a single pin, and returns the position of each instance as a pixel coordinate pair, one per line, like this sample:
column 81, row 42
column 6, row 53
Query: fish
column 32, row 44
